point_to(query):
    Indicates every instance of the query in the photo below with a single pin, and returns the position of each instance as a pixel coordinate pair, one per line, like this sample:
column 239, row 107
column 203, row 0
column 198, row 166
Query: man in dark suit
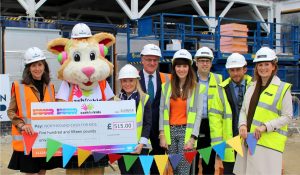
column 151, row 80
column 226, row 105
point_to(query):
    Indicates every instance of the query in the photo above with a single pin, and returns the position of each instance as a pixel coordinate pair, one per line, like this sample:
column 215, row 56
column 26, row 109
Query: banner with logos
column 4, row 96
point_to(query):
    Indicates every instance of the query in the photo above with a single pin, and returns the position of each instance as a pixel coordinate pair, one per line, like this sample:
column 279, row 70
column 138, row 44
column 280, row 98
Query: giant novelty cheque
column 108, row 127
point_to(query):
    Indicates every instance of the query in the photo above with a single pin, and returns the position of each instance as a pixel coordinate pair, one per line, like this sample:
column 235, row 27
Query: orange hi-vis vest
column 102, row 85
column 164, row 77
column 24, row 97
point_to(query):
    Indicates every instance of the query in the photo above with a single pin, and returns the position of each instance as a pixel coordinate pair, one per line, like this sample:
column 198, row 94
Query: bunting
column 220, row 149
column 129, row 160
column 161, row 162
column 82, row 155
column 29, row 141
column 175, row 159
column 67, row 153
column 98, row 156
column 189, row 156
column 251, row 142
column 236, row 144
column 52, row 147
column 205, row 153
column 146, row 160
column 114, row 157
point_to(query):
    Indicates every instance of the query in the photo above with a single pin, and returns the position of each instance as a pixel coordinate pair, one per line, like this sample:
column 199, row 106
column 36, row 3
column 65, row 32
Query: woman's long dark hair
column 27, row 77
column 189, row 84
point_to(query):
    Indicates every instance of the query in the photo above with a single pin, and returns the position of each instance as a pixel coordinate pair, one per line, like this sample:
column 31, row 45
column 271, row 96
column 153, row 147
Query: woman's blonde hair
column 138, row 88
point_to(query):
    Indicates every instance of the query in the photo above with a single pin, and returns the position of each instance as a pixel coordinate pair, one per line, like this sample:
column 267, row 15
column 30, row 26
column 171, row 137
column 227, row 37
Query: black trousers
column 204, row 142
column 136, row 168
column 228, row 166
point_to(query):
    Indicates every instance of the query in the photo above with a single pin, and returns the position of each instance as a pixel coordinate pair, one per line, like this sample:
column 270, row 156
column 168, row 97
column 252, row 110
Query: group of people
column 178, row 112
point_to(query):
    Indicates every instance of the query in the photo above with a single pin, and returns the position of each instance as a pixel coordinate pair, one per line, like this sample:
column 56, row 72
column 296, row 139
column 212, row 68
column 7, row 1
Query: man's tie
column 151, row 88
column 240, row 97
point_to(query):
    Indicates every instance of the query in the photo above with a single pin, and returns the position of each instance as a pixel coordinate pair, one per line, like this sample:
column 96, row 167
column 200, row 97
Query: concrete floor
column 291, row 158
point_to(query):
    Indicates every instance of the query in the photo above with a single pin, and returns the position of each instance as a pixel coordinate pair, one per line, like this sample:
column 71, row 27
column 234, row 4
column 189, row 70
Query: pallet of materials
column 234, row 38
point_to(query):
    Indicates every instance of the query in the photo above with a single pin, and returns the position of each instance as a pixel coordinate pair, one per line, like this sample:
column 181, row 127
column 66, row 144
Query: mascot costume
column 84, row 70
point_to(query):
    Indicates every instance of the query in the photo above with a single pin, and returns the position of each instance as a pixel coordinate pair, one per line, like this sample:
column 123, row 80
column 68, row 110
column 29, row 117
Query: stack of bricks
column 236, row 40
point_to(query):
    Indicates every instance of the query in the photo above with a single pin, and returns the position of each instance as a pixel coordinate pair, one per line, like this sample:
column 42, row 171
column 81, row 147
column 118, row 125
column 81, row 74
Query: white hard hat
column 265, row 54
column 204, row 52
column 235, row 60
column 33, row 54
column 182, row 53
column 81, row 30
column 151, row 49
column 128, row 71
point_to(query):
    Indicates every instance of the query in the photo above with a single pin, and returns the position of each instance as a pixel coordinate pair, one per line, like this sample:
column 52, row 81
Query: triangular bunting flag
column 29, row 141
column 82, row 155
column 161, row 162
column 189, row 156
column 129, row 160
column 98, row 156
column 67, row 153
column 52, row 147
column 220, row 149
column 113, row 157
column 236, row 144
column 205, row 153
column 251, row 142
column 146, row 162
column 175, row 159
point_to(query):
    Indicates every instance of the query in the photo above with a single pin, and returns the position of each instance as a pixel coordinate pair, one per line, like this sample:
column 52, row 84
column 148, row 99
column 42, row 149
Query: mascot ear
column 104, row 38
column 62, row 57
column 103, row 50
column 57, row 45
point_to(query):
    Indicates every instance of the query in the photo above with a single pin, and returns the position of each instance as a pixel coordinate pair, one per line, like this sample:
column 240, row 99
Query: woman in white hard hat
column 180, row 110
column 34, row 87
column 266, row 113
column 131, row 90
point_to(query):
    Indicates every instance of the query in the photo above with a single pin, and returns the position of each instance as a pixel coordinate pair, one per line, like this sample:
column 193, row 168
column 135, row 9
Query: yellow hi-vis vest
column 140, row 116
column 220, row 119
column 192, row 111
column 214, row 80
column 24, row 97
column 269, row 108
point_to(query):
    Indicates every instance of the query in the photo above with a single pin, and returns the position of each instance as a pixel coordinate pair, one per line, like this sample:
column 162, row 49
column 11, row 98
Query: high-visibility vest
column 24, row 97
column 214, row 80
column 220, row 119
column 269, row 108
column 102, row 85
column 164, row 77
column 140, row 116
column 192, row 111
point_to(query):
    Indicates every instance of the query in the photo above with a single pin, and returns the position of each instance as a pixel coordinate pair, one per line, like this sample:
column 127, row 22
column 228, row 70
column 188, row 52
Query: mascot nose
column 88, row 71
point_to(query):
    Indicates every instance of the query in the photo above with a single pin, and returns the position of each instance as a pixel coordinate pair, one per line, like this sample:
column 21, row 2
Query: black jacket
column 155, row 108
column 155, row 102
